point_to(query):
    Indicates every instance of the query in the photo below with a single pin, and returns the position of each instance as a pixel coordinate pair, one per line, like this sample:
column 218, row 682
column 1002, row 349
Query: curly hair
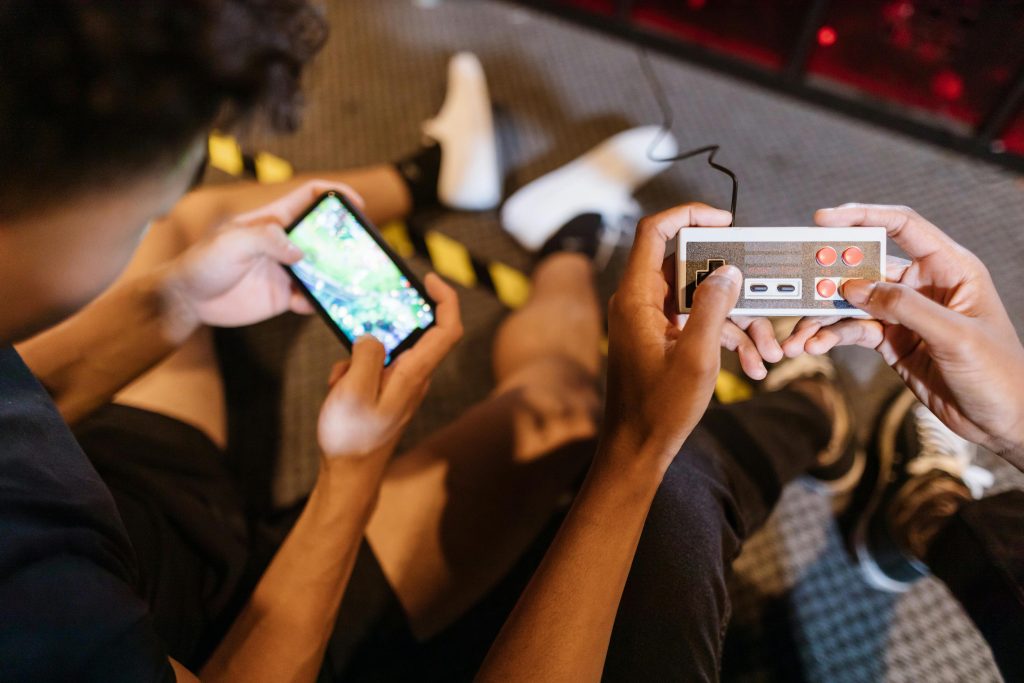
column 94, row 90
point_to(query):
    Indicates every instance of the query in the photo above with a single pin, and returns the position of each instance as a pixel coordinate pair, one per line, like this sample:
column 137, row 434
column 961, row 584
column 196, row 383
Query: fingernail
column 857, row 292
column 731, row 272
column 294, row 250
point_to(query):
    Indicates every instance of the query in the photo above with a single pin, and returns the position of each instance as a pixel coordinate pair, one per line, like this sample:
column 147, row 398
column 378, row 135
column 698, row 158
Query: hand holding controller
column 939, row 323
column 661, row 376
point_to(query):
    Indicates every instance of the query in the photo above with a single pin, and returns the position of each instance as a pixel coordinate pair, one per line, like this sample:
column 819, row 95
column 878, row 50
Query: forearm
column 283, row 631
column 561, row 626
column 91, row 356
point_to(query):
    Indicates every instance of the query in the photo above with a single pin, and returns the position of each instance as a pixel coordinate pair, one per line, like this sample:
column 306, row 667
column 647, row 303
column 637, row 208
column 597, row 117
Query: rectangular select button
column 772, row 288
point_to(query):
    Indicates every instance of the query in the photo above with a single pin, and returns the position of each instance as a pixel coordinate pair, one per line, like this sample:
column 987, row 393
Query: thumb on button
column 898, row 304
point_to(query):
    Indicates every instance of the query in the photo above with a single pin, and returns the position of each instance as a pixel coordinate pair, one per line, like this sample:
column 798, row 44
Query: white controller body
column 786, row 271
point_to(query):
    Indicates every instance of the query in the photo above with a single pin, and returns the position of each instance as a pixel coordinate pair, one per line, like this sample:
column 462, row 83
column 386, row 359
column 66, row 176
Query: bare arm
column 230, row 277
column 283, row 630
column 660, row 381
column 233, row 278
column 560, row 628
column 86, row 359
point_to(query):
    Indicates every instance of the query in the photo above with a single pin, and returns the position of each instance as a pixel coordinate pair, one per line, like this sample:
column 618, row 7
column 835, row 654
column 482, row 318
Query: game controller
column 786, row 271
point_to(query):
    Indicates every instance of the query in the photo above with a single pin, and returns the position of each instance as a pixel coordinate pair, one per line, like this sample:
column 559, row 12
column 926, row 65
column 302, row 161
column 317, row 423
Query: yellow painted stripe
column 272, row 169
column 450, row 258
column 397, row 235
column 511, row 286
column 225, row 154
column 730, row 388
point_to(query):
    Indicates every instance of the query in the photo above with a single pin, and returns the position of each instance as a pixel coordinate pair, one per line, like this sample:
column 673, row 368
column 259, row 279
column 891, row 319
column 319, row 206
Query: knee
column 557, row 402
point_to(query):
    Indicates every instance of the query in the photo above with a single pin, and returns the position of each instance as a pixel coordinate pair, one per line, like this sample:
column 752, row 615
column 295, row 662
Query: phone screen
column 355, row 281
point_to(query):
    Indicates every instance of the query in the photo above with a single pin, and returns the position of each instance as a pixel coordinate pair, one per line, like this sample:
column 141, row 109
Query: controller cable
column 668, row 123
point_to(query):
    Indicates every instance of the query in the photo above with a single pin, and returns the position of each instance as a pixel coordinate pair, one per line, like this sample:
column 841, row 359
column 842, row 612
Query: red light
column 901, row 37
column 826, row 36
column 948, row 85
column 897, row 12
column 697, row 4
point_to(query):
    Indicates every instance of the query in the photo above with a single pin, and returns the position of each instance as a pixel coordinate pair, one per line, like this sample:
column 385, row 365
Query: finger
column 415, row 366
column 895, row 303
column 806, row 328
column 849, row 332
column 762, row 333
column 670, row 302
column 285, row 210
column 735, row 339
column 365, row 369
column 298, row 303
column 447, row 331
column 648, row 252
column 895, row 267
column 668, row 269
column 338, row 371
column 906, row 227
column 712, row 301
column 271, row 241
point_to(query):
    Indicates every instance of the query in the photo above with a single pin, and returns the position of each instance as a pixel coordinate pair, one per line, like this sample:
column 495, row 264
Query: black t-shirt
column 67, row 607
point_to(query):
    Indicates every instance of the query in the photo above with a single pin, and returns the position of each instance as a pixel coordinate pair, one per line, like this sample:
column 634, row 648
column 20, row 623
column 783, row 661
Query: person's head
column 104, row 110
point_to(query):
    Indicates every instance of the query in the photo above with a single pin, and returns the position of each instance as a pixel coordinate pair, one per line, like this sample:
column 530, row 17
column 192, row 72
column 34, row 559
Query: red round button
column 853, row 256
column 826, row 256
column 826, row 288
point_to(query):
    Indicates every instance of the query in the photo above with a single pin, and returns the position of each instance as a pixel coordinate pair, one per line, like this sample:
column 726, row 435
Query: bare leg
column 458, row 510
column 187, row 385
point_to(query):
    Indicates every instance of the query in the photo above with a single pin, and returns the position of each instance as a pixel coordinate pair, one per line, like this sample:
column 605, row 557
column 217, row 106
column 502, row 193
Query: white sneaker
column 602, row 181
column 470, row 175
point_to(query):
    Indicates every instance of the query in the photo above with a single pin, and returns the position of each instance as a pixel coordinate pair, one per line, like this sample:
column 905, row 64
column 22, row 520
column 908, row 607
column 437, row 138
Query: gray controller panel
column 786, row 271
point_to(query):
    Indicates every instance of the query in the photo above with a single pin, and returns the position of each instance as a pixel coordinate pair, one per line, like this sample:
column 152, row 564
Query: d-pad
column 713, row 265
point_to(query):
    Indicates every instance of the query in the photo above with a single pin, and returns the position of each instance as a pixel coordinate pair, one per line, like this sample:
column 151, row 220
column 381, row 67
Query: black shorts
column 201, row 554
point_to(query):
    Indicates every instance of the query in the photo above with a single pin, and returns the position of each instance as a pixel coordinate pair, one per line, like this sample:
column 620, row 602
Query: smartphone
column 356, row 282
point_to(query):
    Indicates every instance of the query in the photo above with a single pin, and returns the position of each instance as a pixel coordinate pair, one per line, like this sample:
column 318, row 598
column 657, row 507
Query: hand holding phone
column 369, row 406
column 356, row 282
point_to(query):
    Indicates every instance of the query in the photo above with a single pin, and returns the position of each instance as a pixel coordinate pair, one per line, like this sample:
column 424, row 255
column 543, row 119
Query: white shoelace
column 944, row 451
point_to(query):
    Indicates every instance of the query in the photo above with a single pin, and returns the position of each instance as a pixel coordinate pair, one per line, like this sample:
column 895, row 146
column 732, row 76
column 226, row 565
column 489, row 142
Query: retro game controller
column 786, row 271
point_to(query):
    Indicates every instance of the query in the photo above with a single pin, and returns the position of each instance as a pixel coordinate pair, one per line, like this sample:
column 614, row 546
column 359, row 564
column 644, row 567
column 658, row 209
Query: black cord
column 668, row 123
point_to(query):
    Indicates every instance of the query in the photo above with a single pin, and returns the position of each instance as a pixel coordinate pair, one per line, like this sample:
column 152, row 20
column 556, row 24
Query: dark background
column 948, row 71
